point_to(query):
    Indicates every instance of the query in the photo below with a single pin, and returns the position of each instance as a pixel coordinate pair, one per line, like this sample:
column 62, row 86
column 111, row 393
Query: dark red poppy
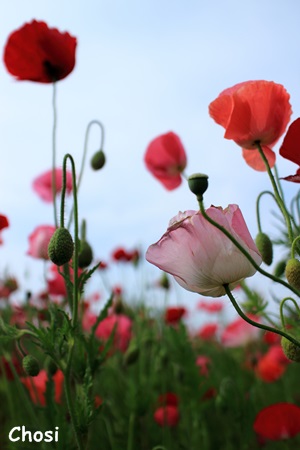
column 3, row 224
column 290, row 148
column 38, row 53
column 167, row 414
column 278, row 421
column 165, row 158
column 174, row 314
column 168, row 399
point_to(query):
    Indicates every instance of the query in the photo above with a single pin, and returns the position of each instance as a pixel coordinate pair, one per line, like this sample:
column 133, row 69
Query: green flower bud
column 280, row 268
column 291, row 350
column 31, row 365
column 198, row 183
column 292, row 272
column 85, row 256
column 131, row 355
column 61, row 247
column 51, row 367
column 98, row 160
column 265, row 247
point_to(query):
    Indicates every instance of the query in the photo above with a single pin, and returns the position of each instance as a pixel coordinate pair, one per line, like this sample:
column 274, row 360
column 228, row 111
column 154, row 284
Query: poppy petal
column 254, row 160
column 290, row 148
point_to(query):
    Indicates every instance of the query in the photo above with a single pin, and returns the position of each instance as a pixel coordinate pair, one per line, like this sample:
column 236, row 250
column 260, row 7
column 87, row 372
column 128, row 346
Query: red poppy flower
column 37, row 386
column 120, row 254
column 174, row 314
column 123, row 330
column 42, row 185
column 167, row 414
column 208, row 331
column 239, row 332
column 278, row 421
column 253, row 112
column 168, row 399
column 3, row 224
column 272, row 365
column 38, row 53
column 165, row 158
column 290, row 148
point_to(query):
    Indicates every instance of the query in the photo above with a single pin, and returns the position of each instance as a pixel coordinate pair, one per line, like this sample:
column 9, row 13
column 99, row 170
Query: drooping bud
column 198, row 184
column 31, row 365
column 85, row 256
column 265, row 247
column 280, row 268
column 291, row 350
column 61, row 247
column 292, row 272
column 98, row 160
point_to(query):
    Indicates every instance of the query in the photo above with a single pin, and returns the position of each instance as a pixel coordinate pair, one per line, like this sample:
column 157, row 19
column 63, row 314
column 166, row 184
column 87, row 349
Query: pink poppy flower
column 38, row 53
column 39, row 240
column 42, row 185
column 165, row 158
column 210, row 306
column 37, row 386
column 239, row 332
column 252, row 112
column 278, row 421
column 3, row 224
column 122, row 325
column 200, row 257
column 203, row 362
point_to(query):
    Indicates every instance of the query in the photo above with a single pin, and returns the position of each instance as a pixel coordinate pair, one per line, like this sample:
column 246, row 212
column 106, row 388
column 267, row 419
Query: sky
column 143, row 68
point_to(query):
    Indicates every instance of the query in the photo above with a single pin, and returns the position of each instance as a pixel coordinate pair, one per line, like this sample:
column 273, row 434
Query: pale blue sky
column 143, row 68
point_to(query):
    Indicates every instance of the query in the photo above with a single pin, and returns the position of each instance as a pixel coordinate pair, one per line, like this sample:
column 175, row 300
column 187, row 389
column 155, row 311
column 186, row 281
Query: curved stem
column 293, row 249
column 245, row 253
column 257, row 324
column 282, row 303
column 278, row 197
column 54, row 190
column 278, row 182
column 257, row 207
column 85, row 147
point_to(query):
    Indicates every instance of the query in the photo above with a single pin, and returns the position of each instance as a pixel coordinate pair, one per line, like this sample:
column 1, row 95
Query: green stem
column 257, row 324
column 130, row 444
column 257, row 207
column 282, row 303
column 245, row 253
column 278, row 197
column 76, row 231
column 54, row 190
column 86, row 139
column 295, row 241
column 278, row 182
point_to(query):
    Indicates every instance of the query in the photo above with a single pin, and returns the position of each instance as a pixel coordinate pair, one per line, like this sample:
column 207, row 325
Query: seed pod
column 31, row 365
column 292, row 272
column 265, row 247
column 61, row 247
column 291, row 350
column 198, row 183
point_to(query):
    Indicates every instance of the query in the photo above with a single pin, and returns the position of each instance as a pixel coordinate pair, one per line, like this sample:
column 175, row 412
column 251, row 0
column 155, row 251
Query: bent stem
column 85, row 147
column 258, row 205
column 245, row 253
column 282, row 303
column 257, row 324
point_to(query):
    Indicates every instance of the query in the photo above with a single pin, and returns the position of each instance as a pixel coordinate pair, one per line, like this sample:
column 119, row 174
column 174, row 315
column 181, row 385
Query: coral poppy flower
column 278, row 421
column 165, row 158
column 42, row 185
column 39, row 240
column 199, row 256
column 174, row 314
column 3, row 224
column 272, row 365
column 239, row 332
column 37, row 386
column 290, row 148
column 253, row 112
column 38, row 53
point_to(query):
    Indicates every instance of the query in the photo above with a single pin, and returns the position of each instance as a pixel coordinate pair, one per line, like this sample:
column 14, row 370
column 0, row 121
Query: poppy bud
column 85, row 256
column 131, row 355
column 292, row 272
column 198, row 183
column 291, row 350
column 31, row 365
column 164, row 281
column 265, row 247
column 61, row 247
column 279, row 268
column 98, row 160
